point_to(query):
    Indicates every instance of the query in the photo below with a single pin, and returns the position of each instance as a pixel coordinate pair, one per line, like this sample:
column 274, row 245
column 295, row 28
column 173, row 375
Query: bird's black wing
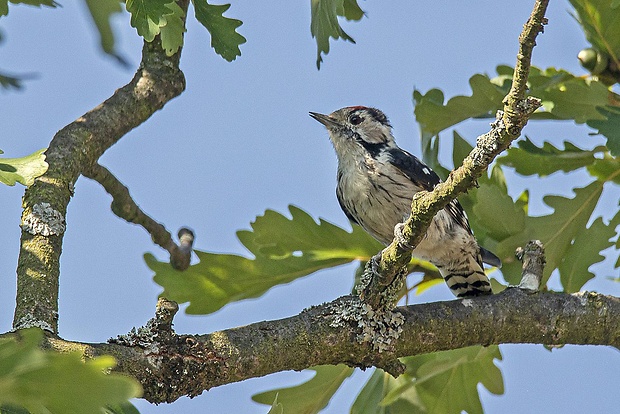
column 423, row 176
column 418, row 172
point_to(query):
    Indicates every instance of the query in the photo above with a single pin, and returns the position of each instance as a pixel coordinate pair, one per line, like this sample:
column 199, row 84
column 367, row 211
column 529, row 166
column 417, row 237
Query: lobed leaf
column 284, row 249
column 276, row 407
column 606, row 169
column 149, row 16
column 528, row 159
column 101, row 12
column 311, row 396
column 609, row 127
column 556, row 231
column 433, row 116
column 441, row 382
column 583, row 253
column 224, row 37
column 377, row 387
column 564, row 96
column 172, row 32
column 22, row 170
column 47, row 382
column 324, row 22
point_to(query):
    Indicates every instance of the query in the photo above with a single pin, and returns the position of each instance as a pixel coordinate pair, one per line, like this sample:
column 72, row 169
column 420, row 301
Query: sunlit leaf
column 324, row 22
column 439, row 383
column 148, row 16
column 609, row 127
column 276, row 407
column 311, row 396
column 556, row 231
column 49, row 382
column 122, row 408
column 528, row 159
column 284, row 249
column 22, row 170
column 172, row 32
column 224, row 37
column 378, row 386
column 606, row 169
column 564, row 96
column 583, row 253
column 433, row 116
column 494, row 200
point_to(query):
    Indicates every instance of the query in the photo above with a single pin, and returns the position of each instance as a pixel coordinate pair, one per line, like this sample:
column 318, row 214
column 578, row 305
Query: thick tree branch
column 387, row 273
column 175, row 365
column 73, row 149
column 126, row 208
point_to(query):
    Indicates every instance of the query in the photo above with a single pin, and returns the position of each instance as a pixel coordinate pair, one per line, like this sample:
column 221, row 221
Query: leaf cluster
column 37, row 382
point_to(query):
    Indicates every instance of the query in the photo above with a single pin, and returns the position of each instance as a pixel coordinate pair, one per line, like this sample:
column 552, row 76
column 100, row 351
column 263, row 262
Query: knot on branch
column 533, row 258
column 158, row 330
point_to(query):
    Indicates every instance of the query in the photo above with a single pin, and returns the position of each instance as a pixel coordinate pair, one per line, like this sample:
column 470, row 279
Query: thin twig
column 126, row 208
column 533, row 257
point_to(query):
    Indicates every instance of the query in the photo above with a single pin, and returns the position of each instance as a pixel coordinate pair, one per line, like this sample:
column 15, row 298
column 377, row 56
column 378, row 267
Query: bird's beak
column 326, row 120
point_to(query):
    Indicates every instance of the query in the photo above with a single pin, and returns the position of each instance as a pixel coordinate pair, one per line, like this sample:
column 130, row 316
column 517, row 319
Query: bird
column 376, row 181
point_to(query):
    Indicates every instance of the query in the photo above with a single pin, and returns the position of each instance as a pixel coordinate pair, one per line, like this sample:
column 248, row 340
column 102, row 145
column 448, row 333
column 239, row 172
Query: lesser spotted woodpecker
column 376, row 183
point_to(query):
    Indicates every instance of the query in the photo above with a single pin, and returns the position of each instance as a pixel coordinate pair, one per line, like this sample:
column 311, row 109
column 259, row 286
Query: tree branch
column 175, row 365
column 387, row 275
column 73, row 149
column 126, row 208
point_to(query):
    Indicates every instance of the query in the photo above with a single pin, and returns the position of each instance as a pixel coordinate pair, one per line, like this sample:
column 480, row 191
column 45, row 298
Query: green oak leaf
column 437, row 383
column 148, row 16
column 433, row 116
column 430, row 154
column 22, row 170
column 528, row 159
column 556, row 231
column 564, row 96
column 377, row 387
column 49, row 382
column 284, row 249
column 600, row 20
column 498, row 226
column 4, row 4
column 276, row 407
column 324, row 22
column 609, row 127
column 101, row 12
column 583, row 253
column 606, row 169
column 311, row 396
column 122, row 408
column 172, row 32
column 224, row 37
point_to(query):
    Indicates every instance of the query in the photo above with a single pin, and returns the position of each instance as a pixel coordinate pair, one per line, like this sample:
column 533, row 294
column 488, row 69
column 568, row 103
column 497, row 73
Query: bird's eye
column 356, row 119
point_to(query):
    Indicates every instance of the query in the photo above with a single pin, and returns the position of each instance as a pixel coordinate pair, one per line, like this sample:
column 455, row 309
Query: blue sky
column 239, row 141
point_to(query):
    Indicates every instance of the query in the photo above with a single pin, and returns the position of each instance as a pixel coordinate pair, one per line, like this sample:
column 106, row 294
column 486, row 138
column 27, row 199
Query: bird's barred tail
column 467, row 279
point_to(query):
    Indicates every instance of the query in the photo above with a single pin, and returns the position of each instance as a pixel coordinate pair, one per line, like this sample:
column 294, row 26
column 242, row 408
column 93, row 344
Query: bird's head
column 357, row 131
